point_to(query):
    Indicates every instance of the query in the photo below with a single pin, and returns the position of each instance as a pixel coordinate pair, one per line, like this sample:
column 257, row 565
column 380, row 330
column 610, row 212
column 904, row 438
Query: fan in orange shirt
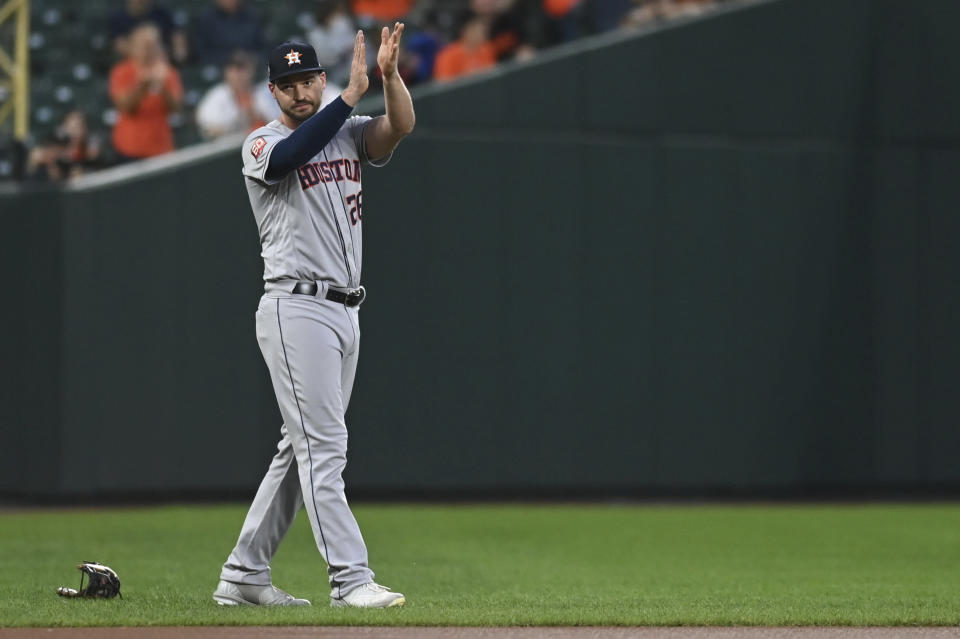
column 145, row 90
column 559, row 8
column 380, row 10
column 473, row 52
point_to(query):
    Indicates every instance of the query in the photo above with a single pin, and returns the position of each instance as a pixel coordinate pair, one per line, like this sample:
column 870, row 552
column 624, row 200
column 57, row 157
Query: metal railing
column 15, row 68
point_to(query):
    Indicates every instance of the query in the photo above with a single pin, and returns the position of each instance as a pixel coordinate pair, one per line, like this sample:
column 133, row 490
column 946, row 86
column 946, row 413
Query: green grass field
column 512, row 565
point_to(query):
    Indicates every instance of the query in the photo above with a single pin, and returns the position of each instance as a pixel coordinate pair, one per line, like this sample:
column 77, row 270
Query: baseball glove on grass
column 103, row 582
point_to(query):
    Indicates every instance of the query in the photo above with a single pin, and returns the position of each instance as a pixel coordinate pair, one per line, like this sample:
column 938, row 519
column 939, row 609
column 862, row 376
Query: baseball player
column 302, row 173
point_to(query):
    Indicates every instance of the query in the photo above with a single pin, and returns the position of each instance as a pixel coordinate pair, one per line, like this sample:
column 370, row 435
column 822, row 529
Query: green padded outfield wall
column 717, row 257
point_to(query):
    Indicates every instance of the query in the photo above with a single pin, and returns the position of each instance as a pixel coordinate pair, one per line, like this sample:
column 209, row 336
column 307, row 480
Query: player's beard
column 300, row 116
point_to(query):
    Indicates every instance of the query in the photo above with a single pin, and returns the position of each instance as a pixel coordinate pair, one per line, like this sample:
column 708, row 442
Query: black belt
column 353, row 297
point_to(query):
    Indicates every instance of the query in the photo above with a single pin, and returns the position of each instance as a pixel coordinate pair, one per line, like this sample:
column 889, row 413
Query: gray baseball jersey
column 310, row 229
column 310, row 220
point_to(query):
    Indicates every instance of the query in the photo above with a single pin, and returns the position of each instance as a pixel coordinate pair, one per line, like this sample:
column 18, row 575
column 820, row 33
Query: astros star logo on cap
column 292, row 58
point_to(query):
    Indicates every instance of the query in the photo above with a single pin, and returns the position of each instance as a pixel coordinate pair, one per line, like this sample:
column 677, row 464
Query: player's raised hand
column 358, row 73
column 389, row 49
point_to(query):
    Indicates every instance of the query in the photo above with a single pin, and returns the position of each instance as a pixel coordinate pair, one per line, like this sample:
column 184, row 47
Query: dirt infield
column 369, row 632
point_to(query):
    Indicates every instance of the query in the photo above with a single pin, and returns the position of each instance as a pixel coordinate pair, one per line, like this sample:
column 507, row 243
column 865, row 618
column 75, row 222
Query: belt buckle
column 359, row 293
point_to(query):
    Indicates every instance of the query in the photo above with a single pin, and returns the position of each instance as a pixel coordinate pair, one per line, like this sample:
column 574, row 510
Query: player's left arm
column 382, row 135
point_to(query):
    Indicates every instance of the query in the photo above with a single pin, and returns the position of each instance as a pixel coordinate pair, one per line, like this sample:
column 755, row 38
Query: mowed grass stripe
column 512, row 565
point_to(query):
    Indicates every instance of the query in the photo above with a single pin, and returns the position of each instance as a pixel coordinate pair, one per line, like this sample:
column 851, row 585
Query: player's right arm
column 316, row 131
column 384, row 133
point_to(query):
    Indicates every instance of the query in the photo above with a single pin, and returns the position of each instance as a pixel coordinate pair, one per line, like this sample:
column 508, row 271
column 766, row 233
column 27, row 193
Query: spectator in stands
column 145, row 90
column 226, row 26
column 332, row 32
column 473, row 52
column 505, row 24
column 418, row 57
column 378, row 12
column 135, row 12
column 230, row 107
column 436, row 22
column 71, row 151
column 563, row 20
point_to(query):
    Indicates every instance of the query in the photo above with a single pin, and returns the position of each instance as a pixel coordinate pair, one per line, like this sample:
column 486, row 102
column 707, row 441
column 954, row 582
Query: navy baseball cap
column 292, row 57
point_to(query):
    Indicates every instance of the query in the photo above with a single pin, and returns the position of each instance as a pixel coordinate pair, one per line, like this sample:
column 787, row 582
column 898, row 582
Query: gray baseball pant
column 310, row 345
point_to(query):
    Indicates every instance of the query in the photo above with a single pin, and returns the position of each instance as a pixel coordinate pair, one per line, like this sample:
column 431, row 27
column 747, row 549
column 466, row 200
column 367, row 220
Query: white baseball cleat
column 371, row 595
column 231, row 594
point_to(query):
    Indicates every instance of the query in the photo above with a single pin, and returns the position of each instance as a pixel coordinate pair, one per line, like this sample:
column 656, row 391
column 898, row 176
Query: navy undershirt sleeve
column 307, row 139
